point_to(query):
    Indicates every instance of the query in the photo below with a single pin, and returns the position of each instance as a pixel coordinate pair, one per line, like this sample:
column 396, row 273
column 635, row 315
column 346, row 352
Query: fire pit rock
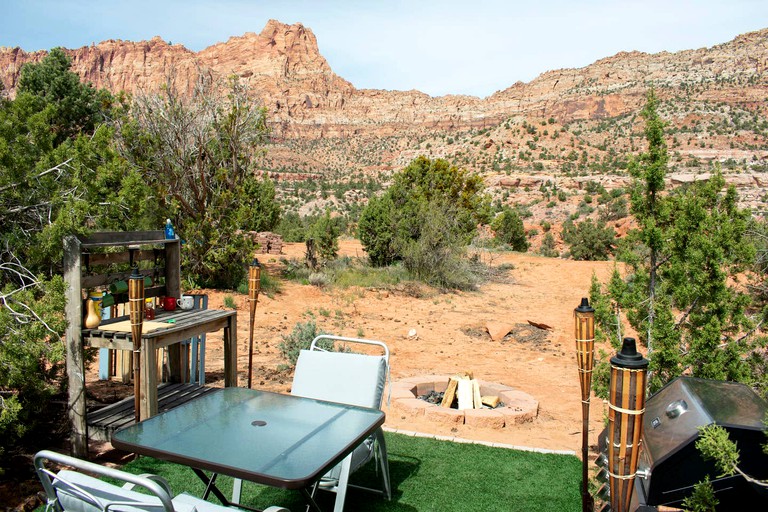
column 518, row 407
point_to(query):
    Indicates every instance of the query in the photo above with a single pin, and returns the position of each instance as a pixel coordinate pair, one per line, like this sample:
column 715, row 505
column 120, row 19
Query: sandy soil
column 450, row 337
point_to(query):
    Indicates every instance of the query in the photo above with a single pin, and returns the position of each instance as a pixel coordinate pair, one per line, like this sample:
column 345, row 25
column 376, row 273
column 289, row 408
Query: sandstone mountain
column 567, row 126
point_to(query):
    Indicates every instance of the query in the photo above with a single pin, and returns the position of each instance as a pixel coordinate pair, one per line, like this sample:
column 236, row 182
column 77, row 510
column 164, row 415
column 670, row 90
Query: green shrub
column 548, row 246
column 325, row 231
column 389, row 224
column 437, row 256
column 292, row 228
column 509, row 229
column 614, row 210
column 32, row 363
column 589, row 240
column 229, row 302
column 296, row 270
column 376, row 230
column 300, row 339
column 319, row 279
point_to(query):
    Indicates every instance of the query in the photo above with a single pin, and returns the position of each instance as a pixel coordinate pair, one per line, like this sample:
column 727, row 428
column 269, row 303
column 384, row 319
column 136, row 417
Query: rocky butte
column 567, row 122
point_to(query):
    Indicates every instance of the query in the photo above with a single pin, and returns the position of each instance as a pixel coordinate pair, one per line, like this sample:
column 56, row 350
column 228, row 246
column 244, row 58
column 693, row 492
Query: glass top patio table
column 274, row 439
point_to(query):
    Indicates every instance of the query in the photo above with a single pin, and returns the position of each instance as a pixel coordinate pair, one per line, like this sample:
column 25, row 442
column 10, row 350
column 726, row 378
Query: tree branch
column 36, row 176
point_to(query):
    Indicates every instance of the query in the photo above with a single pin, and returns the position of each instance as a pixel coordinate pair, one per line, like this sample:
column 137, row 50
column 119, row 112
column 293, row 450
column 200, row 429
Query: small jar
column 149, row 310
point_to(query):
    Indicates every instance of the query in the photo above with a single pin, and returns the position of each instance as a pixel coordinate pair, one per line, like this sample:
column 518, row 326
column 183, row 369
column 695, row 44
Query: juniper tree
column 199, row 154
column 684, row 262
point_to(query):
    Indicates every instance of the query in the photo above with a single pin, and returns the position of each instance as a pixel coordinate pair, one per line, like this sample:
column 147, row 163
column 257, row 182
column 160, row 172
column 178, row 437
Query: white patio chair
column 72, row 490
column 349, row 378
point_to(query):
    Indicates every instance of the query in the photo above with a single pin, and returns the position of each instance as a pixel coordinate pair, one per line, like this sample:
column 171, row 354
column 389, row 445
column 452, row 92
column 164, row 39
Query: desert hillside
column 563, row 129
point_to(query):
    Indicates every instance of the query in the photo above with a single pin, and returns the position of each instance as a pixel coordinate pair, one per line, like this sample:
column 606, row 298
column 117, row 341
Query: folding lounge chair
column 72, row 490
column 349, row 378
column 355, row 379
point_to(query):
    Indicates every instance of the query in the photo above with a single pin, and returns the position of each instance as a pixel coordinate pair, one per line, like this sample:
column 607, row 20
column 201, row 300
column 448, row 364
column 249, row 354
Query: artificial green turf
column 427, row 475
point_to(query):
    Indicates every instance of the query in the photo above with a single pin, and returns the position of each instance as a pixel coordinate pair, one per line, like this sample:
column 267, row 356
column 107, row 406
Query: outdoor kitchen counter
column 182, row 325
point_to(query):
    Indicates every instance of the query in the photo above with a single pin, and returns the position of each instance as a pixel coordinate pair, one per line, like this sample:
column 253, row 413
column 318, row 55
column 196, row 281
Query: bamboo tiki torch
column 254, row 286
column 625, row 422
column 136, row 310
column 584, row 316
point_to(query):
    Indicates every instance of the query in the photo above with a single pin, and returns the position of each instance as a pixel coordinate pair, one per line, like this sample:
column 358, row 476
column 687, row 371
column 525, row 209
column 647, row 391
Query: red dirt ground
column 450, row 337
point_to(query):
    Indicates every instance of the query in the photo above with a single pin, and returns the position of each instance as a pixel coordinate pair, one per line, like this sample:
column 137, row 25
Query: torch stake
column 254, row 286
column 625, row 422
column 584, row 317
column 136, row 309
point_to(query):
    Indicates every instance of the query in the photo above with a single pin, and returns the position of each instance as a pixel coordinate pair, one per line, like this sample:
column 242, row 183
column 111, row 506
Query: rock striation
column 306, row 98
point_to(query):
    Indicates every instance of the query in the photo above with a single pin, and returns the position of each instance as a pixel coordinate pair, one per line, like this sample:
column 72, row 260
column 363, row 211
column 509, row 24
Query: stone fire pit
column 519, row 407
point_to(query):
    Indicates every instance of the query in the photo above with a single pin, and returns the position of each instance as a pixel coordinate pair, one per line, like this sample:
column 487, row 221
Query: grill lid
column 673, row 415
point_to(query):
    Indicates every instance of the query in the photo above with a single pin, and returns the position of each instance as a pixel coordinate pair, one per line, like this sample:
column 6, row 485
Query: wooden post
column 173, row 268
column 625, row 422
column 230, row 352
column 254, row 286
column 584, row 317
column 136, row 310
column 75, row 351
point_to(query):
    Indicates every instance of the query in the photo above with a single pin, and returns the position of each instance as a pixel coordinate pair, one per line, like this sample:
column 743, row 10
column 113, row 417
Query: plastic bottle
column 169, row 233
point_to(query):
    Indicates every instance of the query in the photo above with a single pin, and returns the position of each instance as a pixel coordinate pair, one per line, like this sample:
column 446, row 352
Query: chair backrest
column 344, row 377
column 73, row 490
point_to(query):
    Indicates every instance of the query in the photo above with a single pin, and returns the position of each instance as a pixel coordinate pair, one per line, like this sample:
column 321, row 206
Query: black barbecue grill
column 670, row 465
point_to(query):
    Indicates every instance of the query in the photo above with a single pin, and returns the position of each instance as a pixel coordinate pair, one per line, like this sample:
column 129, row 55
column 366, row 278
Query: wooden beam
column 75, row 351
column 110, row 258
column 111, row 238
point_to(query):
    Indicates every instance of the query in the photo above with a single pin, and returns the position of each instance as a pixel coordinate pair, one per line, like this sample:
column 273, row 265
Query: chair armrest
column 86, row 493
column 149, row 476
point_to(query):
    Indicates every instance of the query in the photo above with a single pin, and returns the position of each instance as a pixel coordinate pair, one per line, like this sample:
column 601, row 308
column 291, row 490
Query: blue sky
column 435, row 46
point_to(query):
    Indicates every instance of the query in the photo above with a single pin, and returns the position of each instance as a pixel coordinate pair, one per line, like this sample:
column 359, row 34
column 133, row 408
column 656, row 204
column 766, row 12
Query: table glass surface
column 266, row 437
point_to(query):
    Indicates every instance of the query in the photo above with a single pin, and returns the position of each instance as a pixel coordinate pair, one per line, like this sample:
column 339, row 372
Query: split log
column 477, row 400
column 450, row 393
column 491, row 401
column 466, row 394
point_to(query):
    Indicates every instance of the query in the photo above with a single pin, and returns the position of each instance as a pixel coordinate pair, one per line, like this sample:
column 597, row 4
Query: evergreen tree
column 199, row 155
column 59, row 175
column 325, row 231
column 682, row 292
column 509, row 229
column 649, row 170
column 388, row 225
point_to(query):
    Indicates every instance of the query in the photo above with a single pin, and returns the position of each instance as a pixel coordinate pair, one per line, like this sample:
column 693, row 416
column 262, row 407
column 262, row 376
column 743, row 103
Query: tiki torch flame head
column 584, row 307
column 254, row 279
column 629, row 357
column 584, row 317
